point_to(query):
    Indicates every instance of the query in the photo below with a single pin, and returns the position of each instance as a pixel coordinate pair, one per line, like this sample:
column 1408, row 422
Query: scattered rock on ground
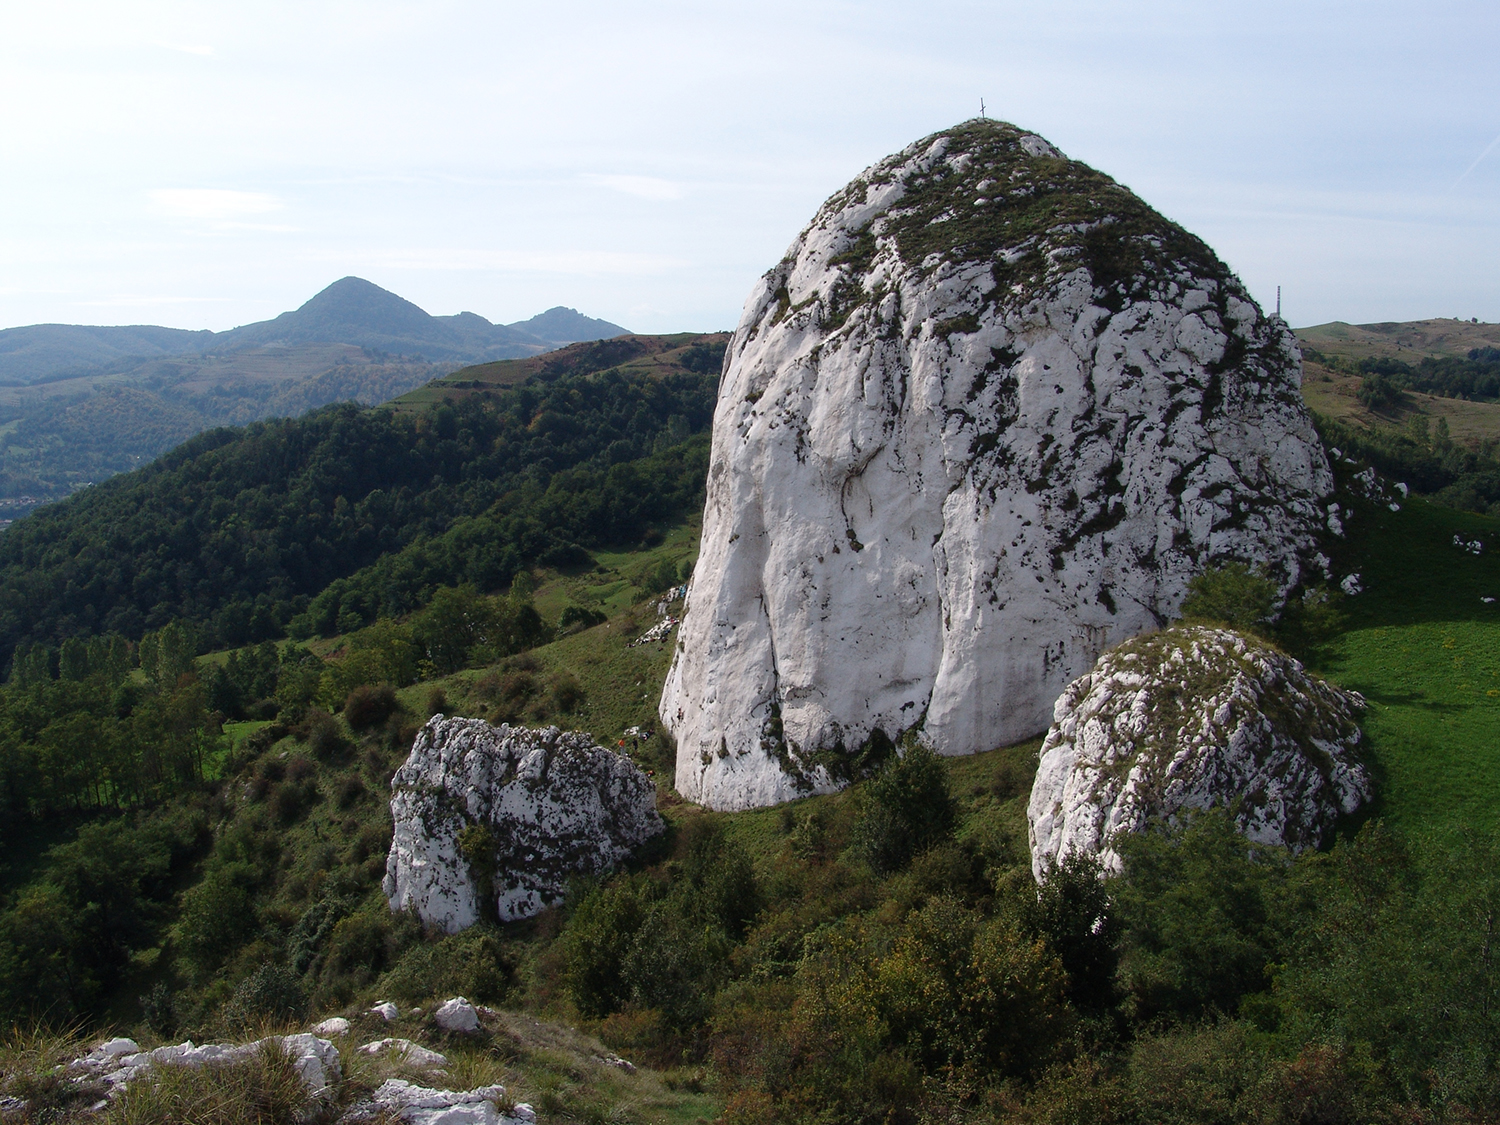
column 333, row 1026
column 385, row 1010
column 316, row 1059
column 457, row 1015
column 1191, row 718
column 420, row 1105
column 414, row 1054
column 987, row 417
column 521, row 810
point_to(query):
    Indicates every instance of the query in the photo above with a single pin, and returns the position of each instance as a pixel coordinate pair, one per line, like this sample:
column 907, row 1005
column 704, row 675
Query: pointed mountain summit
column 355, row 311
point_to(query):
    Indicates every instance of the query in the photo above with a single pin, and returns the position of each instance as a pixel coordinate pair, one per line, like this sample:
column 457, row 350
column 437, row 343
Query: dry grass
column 263, row 1090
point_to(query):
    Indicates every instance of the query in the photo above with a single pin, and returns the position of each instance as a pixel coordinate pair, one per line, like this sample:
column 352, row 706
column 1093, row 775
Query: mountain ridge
column 349, row 311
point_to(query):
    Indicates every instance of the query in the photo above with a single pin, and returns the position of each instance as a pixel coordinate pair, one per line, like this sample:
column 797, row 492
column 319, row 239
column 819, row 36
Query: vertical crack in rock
column 985, row 418
column 1188, row 719
column 520, row 810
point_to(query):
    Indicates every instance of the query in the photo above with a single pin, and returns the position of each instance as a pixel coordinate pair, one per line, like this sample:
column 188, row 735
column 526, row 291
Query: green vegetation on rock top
column 1033, row 218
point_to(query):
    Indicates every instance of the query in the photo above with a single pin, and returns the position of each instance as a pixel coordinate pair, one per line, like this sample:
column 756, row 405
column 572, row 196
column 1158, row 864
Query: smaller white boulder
column 457, row 1015
column 385, row 1010
column 335, row 1025
column 413, row 1054
column 422, row 1105
column 495, row 821
column 1191, row 718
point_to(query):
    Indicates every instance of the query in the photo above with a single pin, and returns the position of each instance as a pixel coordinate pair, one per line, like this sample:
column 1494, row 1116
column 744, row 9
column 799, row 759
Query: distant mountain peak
column 561, row 325
column 354, row 301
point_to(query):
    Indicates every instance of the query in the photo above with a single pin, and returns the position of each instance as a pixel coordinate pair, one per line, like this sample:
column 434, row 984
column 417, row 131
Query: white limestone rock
column 457, row 1014
column 385, row 1010
column 421, row 1105
column 316, row 1059
column 412, row 1054
column 541, row 805
column 1191, row 718
column 985, row 419
column 331, row 1027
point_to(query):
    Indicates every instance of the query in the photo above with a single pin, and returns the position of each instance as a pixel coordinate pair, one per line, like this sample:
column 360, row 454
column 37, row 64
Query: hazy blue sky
column 205, row 165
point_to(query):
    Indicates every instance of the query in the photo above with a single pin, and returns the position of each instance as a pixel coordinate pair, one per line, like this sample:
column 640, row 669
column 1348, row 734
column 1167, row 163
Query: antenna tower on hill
column 1278, row 300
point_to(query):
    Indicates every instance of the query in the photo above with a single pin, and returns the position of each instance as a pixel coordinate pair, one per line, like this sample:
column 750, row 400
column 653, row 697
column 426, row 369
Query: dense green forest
column 241, row 531
column 54, row 440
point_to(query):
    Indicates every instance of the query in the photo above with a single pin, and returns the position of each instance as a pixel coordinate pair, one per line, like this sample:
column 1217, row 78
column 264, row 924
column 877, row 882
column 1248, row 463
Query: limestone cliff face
column 1188, row 719
column 985, row 419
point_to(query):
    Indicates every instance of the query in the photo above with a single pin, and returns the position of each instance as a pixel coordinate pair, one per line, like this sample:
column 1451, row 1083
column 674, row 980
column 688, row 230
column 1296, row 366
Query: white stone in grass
column 413, row 1054
column 422, row 1105
column 457, row 1015
column 1191, row 718
column 385, row 1010
column 316, row 1060
column 334, row 1025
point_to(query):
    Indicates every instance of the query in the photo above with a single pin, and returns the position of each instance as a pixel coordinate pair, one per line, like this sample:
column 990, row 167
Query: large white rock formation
column 1188, row 719
column 984, row 420
column 524, row 810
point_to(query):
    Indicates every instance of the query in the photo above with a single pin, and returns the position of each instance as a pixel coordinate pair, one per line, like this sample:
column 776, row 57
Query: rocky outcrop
column 1192, row 718
column 502, row 817
column 120, row 1061
column 984, row 420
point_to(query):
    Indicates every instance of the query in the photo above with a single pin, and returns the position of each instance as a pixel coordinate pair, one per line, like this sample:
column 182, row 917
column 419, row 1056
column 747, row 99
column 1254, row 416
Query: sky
column 207, row 165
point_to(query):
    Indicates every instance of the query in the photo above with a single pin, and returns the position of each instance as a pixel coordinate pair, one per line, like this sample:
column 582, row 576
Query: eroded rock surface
column 522, row 810
column 1192, row 718
column 985, row 419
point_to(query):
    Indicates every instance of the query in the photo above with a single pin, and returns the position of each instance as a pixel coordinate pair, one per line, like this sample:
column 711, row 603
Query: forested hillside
column 239, row 531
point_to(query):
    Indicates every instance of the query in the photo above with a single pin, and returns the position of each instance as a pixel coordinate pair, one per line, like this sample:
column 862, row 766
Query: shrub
column 1073, row 913
column 566, row 692
column 273, row 992
column 907, row 809
column 576, row 618
column 596, row 942
column 1232, row 595
column 472, row 963
column 368, row 706
column 216, row 916
column 324, row 737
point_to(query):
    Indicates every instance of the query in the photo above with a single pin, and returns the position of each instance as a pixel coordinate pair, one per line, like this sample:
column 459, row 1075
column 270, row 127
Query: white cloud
column 213, row 203
column 642, row 187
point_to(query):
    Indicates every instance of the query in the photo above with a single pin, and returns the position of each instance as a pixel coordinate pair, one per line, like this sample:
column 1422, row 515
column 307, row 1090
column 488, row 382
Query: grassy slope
column 1330, row 388
column 1420, row 644
column 1425, row 650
